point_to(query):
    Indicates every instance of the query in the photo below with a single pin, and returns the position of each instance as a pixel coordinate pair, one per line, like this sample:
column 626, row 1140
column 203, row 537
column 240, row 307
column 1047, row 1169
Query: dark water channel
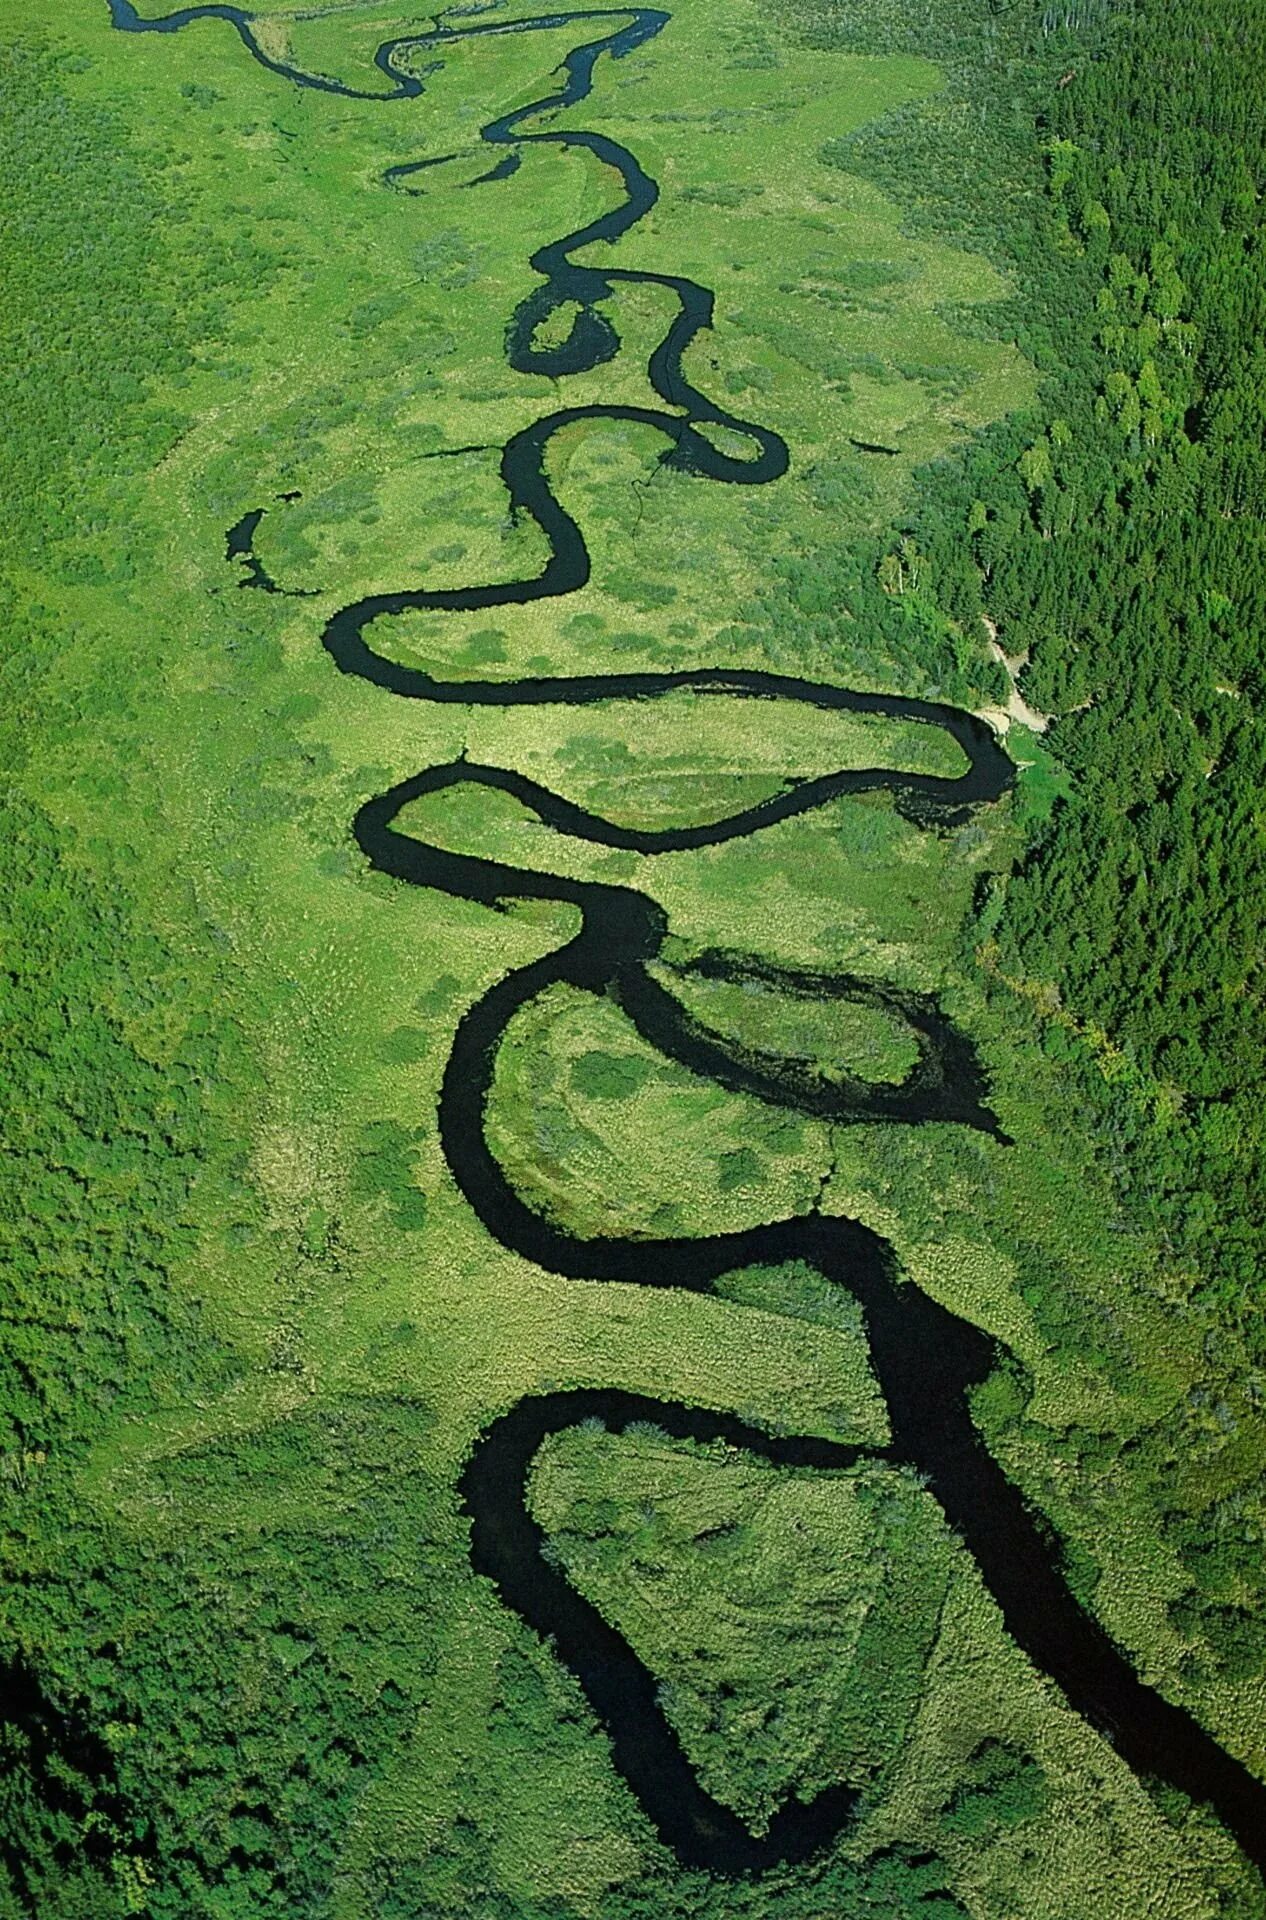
column 926, row 1359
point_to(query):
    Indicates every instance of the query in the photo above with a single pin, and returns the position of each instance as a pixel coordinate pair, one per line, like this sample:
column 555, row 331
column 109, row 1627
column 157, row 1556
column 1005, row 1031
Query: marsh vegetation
column 255, row 1326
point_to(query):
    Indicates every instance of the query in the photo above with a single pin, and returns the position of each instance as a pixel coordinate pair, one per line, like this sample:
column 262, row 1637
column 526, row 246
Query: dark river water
column 925, row 1358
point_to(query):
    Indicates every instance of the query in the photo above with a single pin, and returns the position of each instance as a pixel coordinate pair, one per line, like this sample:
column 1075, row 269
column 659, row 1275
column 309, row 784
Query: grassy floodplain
column 256, row 1327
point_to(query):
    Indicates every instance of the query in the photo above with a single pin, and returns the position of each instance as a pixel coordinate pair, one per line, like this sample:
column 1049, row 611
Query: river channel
column 925, row 1358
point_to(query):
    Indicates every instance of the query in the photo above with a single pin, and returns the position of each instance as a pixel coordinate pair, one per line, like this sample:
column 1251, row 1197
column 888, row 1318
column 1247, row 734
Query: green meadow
column 256, row 1328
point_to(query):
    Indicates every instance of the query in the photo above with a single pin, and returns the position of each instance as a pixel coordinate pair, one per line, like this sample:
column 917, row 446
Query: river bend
column 925, row 1358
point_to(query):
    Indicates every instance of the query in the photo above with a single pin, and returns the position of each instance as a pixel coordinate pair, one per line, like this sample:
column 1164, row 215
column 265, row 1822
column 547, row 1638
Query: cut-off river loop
column 925, row 1358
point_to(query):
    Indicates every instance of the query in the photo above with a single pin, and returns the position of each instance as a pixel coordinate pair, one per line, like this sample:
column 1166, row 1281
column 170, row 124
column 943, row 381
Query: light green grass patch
column 599, row 1131
column 743, row 1587
column 835, row 1037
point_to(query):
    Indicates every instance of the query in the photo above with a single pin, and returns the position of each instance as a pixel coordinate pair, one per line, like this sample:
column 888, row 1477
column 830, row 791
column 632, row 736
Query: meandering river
column 925, row 1358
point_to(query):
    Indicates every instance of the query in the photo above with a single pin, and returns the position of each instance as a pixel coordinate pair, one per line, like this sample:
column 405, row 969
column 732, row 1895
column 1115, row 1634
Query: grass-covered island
column 632, row 701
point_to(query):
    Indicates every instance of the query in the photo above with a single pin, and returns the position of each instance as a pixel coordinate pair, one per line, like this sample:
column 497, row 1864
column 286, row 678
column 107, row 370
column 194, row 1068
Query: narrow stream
column 925, row 1358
